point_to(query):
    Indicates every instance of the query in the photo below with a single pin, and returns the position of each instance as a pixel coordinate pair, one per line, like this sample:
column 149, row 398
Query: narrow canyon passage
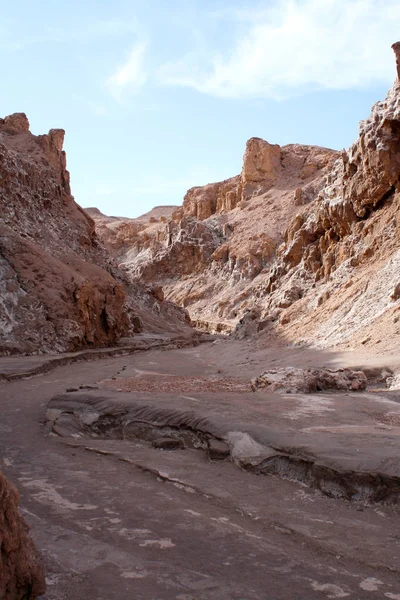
column 115, row 516
column 201, row 400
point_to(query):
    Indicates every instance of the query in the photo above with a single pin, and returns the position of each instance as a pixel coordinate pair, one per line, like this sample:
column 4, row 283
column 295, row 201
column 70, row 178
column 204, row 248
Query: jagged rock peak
column 396, row 50
column 19, row 123
column 261, row 161
column 57, row 137
column 15, row 123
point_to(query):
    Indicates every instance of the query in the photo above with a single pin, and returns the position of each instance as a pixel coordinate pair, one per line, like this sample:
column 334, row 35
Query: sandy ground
column 119, row 519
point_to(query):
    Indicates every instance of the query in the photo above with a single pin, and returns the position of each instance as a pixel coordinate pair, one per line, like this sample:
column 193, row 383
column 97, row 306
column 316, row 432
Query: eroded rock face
column 221, row 255
column 16, row 123
column 59, row 288
column 21, row 571
column 332, row 282
column 207, row 254
column 261, row 165
column 396, row 50
column 58, row 292
column 308, row 381
column 203, row 202
column 342, row 251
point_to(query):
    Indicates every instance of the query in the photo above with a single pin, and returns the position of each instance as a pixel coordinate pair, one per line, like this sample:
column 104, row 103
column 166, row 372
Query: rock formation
column 308, row 381
column 209, row 252
column 396, row 50
column 342, row 253
column 303, row 243
column 59, row 288
column 21, row 572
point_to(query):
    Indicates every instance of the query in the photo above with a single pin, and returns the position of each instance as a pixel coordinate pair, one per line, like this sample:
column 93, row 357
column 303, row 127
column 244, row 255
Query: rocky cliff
column 208, row 254
column 21, row 572
column 339, row 267
column 59, row 288
column 303, row 243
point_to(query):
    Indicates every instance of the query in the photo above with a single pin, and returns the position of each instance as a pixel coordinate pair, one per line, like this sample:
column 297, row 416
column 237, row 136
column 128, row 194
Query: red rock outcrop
column 59, row 288
column 21, row 571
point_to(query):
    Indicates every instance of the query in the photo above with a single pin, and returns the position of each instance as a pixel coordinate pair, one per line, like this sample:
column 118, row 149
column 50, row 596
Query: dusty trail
column 120, row 519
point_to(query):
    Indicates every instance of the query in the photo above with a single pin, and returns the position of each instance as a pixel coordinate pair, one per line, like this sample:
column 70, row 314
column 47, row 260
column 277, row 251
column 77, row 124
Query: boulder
column 307, row 381
column 21, row 570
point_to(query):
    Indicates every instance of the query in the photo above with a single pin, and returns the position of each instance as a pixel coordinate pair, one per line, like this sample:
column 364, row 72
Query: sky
column 157, row 96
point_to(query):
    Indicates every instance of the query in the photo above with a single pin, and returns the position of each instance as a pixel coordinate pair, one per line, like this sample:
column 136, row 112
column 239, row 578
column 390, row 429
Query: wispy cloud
column 294, row 47
column 130, row 74
column 11, row 37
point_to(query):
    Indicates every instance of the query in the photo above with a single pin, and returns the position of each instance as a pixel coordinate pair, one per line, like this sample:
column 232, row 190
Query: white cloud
column 11, row 38
column 294, row 47
column 130, row 74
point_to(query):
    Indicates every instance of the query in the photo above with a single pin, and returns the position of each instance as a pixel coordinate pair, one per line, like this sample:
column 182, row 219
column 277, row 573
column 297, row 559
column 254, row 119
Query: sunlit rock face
column 341, row 254
column 292, row 243
column 209, row 251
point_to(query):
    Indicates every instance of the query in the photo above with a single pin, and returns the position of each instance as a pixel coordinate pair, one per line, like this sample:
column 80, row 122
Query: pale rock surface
column 294, row 381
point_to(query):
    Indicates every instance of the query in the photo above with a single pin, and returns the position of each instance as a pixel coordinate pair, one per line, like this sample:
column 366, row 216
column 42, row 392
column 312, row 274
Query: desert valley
column 203, row 403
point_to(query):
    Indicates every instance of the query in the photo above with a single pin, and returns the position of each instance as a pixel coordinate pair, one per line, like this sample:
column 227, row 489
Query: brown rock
column 21, row 571
column 222, row 236
column 202, row 202
column 261, row 162
column 396, row 50
column 16, row 123
column 396, row 293
column 60, row 290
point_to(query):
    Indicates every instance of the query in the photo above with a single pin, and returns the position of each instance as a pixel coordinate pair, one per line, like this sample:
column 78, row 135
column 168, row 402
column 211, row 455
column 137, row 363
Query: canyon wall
column 339, row 266
column 210, row 251
column 303, row 244
column 59, row 287
column 21, row 571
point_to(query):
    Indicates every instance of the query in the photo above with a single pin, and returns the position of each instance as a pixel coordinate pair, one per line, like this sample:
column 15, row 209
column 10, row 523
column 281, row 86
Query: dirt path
column 120, row 519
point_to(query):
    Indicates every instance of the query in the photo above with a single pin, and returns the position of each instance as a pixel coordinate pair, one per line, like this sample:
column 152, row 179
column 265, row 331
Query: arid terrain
column 203, row 402
column 302, row 244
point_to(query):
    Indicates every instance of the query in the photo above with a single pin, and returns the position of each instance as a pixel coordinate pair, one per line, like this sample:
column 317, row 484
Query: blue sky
column 158, row 96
